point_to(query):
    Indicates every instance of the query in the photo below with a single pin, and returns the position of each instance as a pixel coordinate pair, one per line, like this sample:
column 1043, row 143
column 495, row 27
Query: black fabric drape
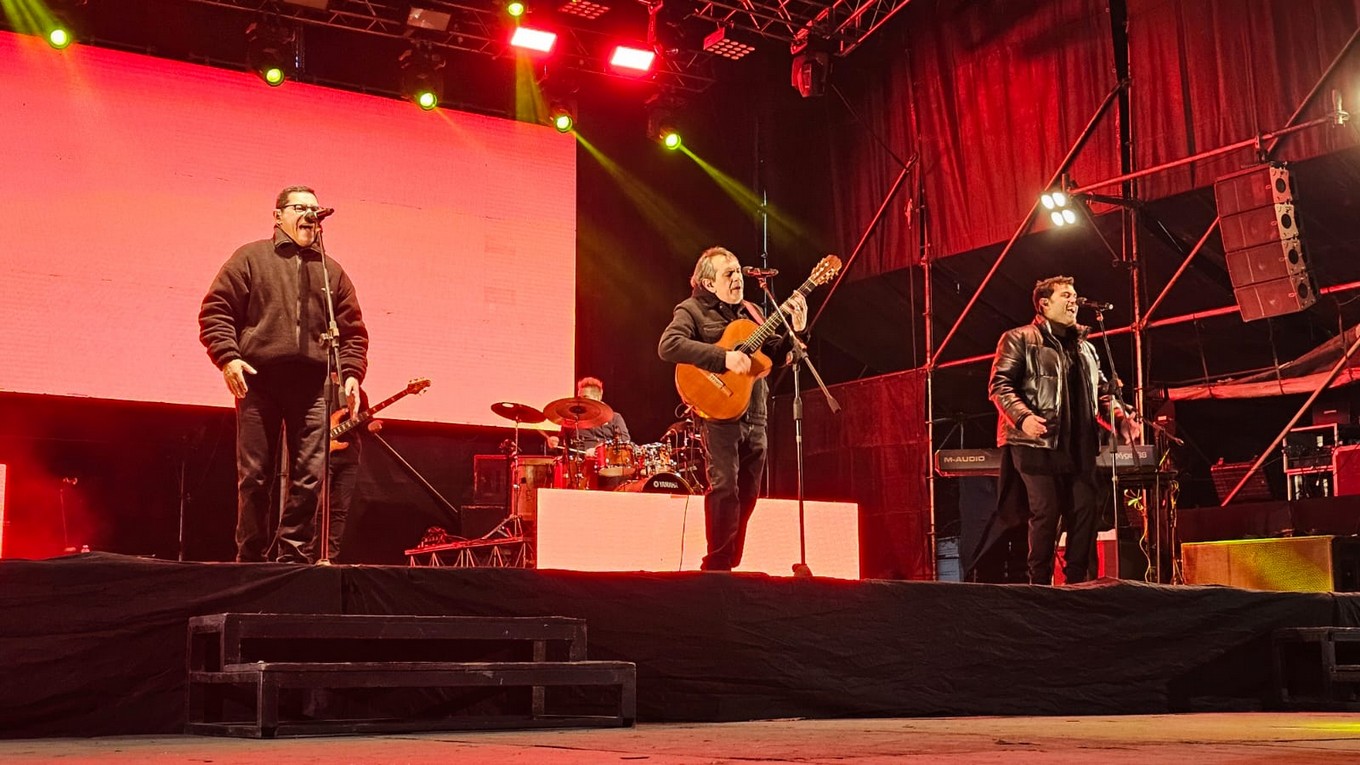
column 873, row 452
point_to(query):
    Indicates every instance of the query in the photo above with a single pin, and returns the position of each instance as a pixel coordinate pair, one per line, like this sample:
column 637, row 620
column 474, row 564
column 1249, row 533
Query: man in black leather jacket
column 1051, row 395
column 736, row 448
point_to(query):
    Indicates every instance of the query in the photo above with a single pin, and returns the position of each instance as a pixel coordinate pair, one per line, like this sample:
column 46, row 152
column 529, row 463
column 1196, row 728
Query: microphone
column 316, row 216
column 759, row 273
column 1095, row 304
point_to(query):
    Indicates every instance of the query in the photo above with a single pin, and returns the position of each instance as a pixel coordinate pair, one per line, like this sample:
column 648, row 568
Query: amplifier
column 1291, row 564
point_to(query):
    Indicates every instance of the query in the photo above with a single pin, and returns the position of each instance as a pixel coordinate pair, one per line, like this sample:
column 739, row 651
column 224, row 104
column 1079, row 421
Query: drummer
column 587, row 439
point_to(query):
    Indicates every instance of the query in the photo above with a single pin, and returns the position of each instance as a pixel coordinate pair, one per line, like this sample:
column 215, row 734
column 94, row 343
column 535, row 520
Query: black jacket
column 1028, row 375
column 266, row 306
column 696, row 325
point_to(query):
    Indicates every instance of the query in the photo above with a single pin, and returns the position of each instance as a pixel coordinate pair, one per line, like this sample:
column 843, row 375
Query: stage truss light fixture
column 809, row 73
column 720, row 43
column 536, row 40
column 1059, row 205
column 426, row 18
column 661, row 125
column 633, row 60
column 422, row 78
column 562, row 116
column 514, row 9
column 584, row 9
column 59, row 37
column 270, row 51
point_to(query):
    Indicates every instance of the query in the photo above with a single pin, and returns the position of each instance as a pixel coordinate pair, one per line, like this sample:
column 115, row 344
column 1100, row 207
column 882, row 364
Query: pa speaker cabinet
column 1293, row 564
column 1266, row 262
column 1257, row 187
column 1275, row 298
column 1258, row 226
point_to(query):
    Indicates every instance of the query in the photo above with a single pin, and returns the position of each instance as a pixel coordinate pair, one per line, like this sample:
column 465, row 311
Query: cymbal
column 517, row 412
column 578, row 412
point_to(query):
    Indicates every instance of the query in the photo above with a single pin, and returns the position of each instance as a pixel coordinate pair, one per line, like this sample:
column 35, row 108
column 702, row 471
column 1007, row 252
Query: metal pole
column 1317, row 87
column 1202, row 155
column 864, row 237
column 1024, row 224
column 1185, row 264
column 1336, row 370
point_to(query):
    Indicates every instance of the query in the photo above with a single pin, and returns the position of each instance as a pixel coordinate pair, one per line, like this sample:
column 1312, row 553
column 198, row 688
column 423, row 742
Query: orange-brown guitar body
column 722, row 396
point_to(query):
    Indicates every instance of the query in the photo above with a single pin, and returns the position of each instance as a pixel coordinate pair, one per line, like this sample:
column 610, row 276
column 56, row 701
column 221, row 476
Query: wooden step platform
column 1317, row 668
column 269, row 675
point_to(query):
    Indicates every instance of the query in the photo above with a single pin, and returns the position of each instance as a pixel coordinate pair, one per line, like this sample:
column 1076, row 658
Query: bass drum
column 661, row 483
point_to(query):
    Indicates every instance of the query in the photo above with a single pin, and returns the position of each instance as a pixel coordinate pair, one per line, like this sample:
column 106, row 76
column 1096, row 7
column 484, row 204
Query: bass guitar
column 340, row 425
column 724, row 395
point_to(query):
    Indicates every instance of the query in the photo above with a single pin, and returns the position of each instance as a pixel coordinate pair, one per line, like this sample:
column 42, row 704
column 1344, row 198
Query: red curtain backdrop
column 1207, row 73
column 874, row 452
column 993, row 93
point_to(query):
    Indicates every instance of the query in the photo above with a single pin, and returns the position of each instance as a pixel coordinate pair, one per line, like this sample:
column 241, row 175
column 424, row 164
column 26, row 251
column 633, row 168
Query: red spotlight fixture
column 536, row 40
column 634, row 60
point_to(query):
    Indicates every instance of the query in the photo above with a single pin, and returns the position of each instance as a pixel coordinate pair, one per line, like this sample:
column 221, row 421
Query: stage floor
column 1204, row 739
column 94, row 644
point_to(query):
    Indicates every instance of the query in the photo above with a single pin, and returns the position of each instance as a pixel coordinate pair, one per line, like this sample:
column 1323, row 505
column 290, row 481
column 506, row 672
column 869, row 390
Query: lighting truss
column 478, row 28
column 845, row 24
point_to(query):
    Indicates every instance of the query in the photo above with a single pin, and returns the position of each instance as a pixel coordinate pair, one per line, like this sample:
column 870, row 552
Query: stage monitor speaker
column 489, row 478
column 1292, row 564
column 1275, row 298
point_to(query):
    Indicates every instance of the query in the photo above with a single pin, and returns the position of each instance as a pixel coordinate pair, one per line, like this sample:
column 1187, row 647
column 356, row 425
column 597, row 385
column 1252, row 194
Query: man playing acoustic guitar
column 736, row 447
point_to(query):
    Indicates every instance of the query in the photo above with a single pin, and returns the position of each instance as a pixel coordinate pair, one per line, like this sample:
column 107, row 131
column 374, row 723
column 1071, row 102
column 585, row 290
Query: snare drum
column 614, row 458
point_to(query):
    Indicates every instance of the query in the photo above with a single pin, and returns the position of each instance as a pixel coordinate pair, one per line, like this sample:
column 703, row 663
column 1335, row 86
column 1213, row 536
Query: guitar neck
column 774, row 321
column 366, row 415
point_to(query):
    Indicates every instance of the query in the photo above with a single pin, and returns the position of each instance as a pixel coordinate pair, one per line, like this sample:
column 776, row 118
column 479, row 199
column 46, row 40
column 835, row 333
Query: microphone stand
column 800, row 357
column 334, row 382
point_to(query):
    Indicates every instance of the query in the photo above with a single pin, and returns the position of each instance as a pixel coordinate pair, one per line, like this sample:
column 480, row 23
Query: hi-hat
column 517, row 412
column 578, row 412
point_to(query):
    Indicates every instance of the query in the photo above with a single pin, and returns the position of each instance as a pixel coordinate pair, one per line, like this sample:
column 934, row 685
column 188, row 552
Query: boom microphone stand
column 334, row 381
column 800, row 357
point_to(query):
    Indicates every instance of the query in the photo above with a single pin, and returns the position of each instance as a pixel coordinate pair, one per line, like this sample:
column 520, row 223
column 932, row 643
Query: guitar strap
column 753, row 310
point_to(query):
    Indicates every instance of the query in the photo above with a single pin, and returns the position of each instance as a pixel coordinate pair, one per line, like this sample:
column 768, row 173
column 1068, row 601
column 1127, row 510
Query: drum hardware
column 513, row 525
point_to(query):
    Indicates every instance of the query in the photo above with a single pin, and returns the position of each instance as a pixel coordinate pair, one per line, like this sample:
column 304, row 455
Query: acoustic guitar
column 724, row 396
column 340, row 425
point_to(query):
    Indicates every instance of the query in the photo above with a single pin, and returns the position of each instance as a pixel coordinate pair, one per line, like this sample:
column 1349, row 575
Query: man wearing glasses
column 262, row 322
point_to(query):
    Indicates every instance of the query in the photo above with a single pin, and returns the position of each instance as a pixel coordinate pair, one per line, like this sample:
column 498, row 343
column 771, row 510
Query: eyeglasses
column 301, row 209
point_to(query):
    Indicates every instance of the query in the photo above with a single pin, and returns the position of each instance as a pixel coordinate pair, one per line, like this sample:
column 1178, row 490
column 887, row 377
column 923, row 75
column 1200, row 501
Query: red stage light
column 537, row 40
column 636, row 59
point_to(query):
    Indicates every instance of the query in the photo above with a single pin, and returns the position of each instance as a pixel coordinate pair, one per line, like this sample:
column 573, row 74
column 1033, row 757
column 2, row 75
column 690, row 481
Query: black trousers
column 736, row 463
column 344, row 483
column 285, row 399
column 1070, row 498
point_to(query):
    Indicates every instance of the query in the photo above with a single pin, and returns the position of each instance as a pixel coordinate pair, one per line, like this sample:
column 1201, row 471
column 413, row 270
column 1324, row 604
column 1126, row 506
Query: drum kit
column 674, row 465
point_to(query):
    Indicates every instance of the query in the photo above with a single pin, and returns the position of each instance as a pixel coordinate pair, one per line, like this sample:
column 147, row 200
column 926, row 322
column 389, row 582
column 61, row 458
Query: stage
column 94, row 644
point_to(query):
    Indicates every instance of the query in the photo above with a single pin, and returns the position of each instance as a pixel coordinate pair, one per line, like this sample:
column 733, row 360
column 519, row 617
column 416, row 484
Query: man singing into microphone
column 262, row 322
column 736, row 448
column 1049, row 390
